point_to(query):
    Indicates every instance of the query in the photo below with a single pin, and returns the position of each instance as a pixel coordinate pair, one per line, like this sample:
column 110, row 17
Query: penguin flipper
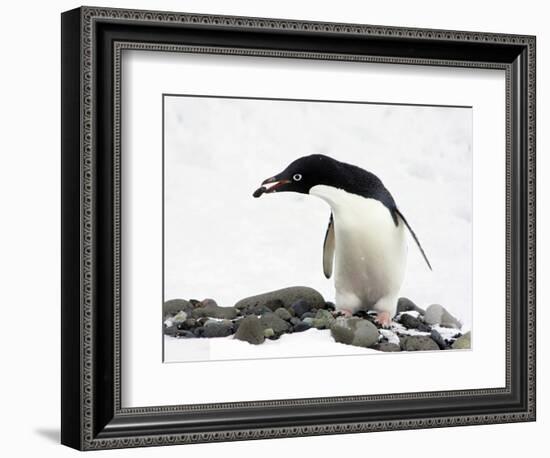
column 397, row 212
column 328, row 248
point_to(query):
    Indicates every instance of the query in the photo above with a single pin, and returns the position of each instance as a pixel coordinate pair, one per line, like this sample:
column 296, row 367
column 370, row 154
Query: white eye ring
column 297, row 177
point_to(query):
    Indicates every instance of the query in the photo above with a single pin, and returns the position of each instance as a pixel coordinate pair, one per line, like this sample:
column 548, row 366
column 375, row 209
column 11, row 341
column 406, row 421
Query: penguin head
column 301, row 175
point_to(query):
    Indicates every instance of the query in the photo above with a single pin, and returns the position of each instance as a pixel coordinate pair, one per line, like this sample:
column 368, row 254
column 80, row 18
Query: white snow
column 449, row 333
column 222, row 243
column 390, row 335
column 313, row 342
column 412, row 313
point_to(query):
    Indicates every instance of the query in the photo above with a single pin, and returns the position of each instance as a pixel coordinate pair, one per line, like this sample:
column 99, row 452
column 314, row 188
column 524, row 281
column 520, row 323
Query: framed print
column 275, row 228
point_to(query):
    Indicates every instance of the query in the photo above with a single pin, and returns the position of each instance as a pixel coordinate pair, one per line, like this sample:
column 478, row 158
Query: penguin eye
column 297, row 177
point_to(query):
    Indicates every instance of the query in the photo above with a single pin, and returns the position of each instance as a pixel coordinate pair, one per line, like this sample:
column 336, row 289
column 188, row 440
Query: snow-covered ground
column 223, row 244
column 313, row 342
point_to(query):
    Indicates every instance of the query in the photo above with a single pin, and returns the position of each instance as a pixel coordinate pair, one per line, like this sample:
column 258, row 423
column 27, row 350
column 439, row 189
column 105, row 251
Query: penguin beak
column 270, row 185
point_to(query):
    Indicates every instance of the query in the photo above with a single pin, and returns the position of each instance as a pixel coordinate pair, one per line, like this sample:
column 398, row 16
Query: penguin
column 365, row 241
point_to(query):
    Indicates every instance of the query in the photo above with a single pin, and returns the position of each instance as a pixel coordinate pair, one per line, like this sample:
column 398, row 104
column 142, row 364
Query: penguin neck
column 351, row 210
column 338, row 199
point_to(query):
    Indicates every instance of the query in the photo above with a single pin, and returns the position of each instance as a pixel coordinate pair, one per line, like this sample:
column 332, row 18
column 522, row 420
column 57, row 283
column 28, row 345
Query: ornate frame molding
column 89, row 434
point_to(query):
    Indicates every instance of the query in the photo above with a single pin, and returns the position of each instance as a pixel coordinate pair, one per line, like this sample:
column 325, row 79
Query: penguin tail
column 414, row 237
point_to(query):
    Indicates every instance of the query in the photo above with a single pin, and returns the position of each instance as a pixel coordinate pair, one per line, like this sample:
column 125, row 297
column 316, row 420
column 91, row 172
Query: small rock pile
column 298, row 309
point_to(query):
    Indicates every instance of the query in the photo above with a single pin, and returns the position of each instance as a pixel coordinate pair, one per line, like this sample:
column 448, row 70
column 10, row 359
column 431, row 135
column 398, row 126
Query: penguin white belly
column 370, row 251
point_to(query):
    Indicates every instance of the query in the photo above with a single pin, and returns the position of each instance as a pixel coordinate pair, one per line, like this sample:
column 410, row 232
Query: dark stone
column 271, row 320
column 418, row 343
column 250, row 330
column 307, row 315
column 300, row 307
column 185, row 334
column 209, row 308
column 365, row 334
column 330, row 306
column 283, row 313
column 370, row 316
column 274, row 304
column 341, row 331
column 178, row 318
column 463, row 342
column 354, row 331
column 301, row 327
column 341, row 334
column 409, row 321
column 361, row 313
column 200, row 321
column 218, row 329
column 170, row 330
column 294, row 321
column 195, row 302
column 439, row 340
column 258, row 310
column 188, row 324
column 283, row 298
column 323, row 319
column 423, row 327
column 173, row 306
column 406, row 305
column 437, row 314
column 198, row 332
column 386, row 347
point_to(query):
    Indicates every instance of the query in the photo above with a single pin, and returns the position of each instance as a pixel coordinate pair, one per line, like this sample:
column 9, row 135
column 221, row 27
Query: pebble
column 463, row 342
column 418, row 343
column 341, row 332
column 409, row 321
column 250, row 330
column 404, row 304
column 209, row 308
column 439, row 340
column 437, row 314
column 283, row 298
column 330, row 306
column 354, row 331
column 217, row 329
column 188, row 324
column 323, row 319
column 173, row 306
column 301, row 326
column 301, row 307
column 365, row 335
column 386, row 347
column 258, row 310
column 283, row 314
column 294, row 321
column 271, row 320
column 170, row 330
column 180, row 317
column 185, row 334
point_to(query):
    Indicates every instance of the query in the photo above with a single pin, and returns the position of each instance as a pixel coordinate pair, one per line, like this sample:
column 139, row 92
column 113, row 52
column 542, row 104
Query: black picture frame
column 92, row 416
